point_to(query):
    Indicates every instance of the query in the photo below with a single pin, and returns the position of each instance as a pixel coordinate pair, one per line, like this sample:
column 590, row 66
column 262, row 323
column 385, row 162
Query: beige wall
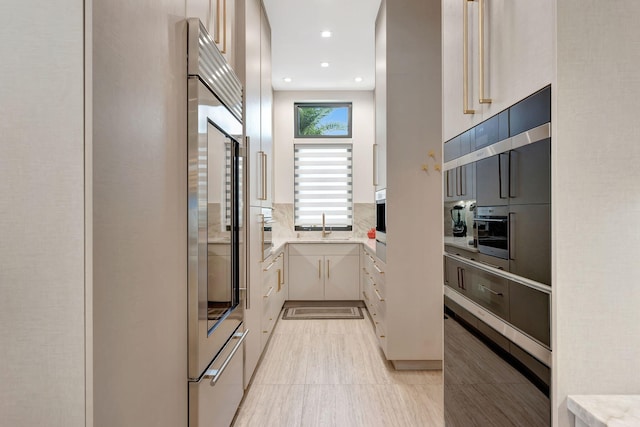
column 139, row 213
column 596, row 331
column 42, row 284
column 363, row 138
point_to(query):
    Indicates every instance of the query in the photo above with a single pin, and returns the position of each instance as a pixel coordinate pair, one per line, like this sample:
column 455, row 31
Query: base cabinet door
column 306, row 277
column 341, row 277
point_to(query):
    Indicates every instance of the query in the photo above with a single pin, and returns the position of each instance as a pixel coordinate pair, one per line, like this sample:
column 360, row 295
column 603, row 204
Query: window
column 322, row 120
column 323, row 184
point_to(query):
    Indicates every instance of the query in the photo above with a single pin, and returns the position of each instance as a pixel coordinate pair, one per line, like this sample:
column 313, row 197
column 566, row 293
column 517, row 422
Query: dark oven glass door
column 381, row 218
column 492, row 226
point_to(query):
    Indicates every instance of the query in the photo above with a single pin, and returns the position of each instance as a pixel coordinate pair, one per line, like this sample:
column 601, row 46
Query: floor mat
column 298, row 313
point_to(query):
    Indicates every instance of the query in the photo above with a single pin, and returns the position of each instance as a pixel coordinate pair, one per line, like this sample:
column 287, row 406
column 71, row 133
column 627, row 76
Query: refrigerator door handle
column 215, row 374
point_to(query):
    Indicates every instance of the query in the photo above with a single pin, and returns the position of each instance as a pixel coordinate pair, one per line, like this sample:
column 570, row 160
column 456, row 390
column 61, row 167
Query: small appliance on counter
column 459, row 224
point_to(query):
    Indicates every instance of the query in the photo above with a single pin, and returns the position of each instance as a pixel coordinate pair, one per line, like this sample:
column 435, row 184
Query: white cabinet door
column 519, row 50
column 341, row 277
column 266, row 107
column 306, row 277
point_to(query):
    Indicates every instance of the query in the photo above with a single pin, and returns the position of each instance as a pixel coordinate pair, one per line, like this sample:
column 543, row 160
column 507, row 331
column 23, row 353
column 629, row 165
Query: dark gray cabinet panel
column 458, row 276
column 492, row 181
column 451, row 149
column 530, row 242
column 530, row 310
column 530, row 174
column 491, row 292
column 459, row 183
column 532, row 111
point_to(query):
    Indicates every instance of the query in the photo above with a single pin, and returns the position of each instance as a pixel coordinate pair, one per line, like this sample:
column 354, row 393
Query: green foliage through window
column 322, row 120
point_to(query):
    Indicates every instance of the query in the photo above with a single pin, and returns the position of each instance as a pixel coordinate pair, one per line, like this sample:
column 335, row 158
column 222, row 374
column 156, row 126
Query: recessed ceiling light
column 287, row 79
column 358, row 79
column 324, row 64
column 326, row 34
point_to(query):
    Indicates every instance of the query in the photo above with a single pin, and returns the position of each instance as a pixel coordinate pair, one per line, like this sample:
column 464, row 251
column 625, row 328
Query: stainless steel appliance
column 381, row 224
column 492, row 227
column 215, row 310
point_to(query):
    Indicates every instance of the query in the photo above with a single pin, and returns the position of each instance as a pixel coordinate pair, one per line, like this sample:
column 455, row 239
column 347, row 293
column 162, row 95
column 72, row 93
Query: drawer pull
column 214, row 374
column 378, row 295
column 484, row 288
column 269, row 293
column 378, row 269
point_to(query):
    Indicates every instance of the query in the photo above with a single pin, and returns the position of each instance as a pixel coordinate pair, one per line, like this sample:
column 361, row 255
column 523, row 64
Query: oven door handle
column 215, row 374
column 491, row 220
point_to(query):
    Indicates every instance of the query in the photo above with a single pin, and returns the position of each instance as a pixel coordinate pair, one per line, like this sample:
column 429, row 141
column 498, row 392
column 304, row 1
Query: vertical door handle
column 501, row 184
column 319, row 267
column 511, row 180
column 481, row 98
column 463, row 180
column 375, row 164
column 263, row 175
column 465, row 58
column 279, row 280
column 449, row 192
column 459, row 181
column 512, row 236
column 328, row 273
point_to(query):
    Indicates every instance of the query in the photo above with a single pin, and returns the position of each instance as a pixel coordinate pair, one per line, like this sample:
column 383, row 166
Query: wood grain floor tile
column 271, row 406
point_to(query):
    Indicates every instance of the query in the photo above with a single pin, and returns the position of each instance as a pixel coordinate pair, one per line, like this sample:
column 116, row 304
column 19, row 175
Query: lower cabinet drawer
column 215, row 405
column 491, row 292
column 530, row 311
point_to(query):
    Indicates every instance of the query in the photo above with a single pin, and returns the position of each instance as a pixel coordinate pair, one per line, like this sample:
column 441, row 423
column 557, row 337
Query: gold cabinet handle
column 328, row 273
column 279, row 282
column 375, row 164
column 465, row 58
column 319, row 267
column 481, row 97
column 378, row 295
column 263, row 175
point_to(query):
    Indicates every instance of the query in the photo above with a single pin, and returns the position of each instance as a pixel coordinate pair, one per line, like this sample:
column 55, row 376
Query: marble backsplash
column 364, row 218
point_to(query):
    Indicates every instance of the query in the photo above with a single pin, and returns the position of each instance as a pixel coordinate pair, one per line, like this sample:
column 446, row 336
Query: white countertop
column 606, row 410
column 278, row 244
column 461, row 242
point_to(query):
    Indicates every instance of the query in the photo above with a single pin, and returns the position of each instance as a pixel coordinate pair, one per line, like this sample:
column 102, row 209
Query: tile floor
column 333, row 373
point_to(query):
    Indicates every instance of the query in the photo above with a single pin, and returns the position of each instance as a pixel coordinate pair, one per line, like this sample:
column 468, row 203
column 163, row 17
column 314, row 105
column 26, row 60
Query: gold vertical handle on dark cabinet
column 465, row 58
column 481, row 54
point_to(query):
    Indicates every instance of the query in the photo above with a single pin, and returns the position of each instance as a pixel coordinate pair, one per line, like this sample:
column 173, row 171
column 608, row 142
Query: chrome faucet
column 325, row 233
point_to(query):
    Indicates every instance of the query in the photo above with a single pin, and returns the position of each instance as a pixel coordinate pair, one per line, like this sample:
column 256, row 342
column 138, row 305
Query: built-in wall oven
column 492, row 228
column 215, row 309
column 381, row 224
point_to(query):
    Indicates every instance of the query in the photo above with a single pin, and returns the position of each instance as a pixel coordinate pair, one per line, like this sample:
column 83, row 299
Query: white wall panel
column 363, row 133
column 139, row 213
column 42, row 282
column 596, row 331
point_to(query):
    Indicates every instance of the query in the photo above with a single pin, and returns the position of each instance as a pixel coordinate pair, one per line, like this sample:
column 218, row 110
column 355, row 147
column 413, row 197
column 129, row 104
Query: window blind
column 323, row 184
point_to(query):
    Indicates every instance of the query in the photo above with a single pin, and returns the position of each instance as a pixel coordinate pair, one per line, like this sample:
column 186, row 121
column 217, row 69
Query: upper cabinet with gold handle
column 465, row 58
column 482, row 97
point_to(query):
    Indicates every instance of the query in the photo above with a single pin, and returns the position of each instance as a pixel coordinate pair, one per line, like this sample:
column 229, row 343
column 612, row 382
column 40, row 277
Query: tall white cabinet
column 253, row 66
column 408, row 126
column 517, row 59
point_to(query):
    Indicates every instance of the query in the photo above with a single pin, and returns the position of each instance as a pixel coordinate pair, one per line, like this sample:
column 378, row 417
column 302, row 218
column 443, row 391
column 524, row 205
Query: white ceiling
column 298, row 49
